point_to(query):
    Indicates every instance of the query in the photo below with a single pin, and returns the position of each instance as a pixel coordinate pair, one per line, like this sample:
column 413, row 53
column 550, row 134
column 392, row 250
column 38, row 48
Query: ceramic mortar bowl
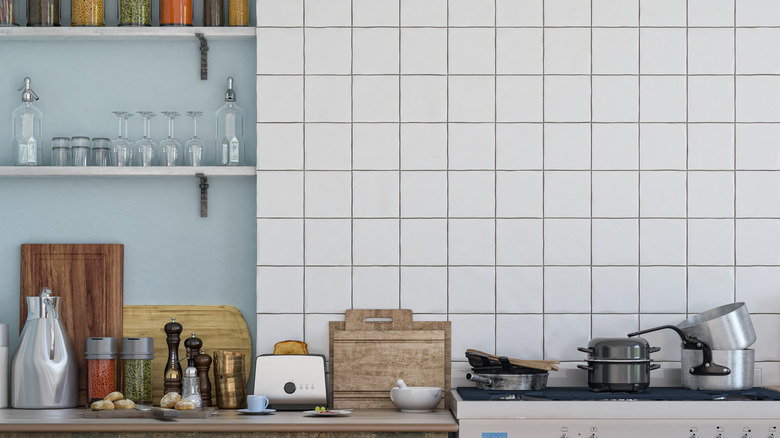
column 415, row 398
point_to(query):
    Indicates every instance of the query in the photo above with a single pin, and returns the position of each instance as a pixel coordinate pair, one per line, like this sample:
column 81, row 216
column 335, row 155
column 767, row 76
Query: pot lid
column 619, row 348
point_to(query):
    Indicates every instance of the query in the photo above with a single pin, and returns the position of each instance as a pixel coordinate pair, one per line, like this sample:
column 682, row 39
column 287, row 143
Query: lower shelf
column 21, row 171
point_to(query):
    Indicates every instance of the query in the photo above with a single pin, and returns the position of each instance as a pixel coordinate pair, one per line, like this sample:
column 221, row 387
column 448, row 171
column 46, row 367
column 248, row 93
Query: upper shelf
column 123, row 33
column 127, row 171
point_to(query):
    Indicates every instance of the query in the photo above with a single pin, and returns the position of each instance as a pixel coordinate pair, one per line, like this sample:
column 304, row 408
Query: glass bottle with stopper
column 27, row 129
column 172, row 372
column 230, row 131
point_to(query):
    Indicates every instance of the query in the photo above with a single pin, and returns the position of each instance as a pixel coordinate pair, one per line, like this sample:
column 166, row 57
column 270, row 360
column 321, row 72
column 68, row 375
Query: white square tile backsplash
column 564, row 168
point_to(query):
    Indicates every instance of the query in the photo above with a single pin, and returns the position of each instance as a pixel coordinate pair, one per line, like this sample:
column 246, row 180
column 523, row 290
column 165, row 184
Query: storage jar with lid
column 213, row 13
column 135, row 13
column 100, row 355
column 238, row 12
column 175, row 12
column 43, row 12
column 137, row 355
column 7, row 13
column 60, row 151
column 100, row 151
column 87, row 13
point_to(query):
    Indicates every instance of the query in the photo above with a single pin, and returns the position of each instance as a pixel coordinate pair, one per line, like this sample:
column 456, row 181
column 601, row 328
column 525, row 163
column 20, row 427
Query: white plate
column 263, row 412
column 331, row 413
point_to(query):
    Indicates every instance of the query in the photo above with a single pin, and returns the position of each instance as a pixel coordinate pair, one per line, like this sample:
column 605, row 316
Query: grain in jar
column 213, row 13
column 87, row 13
column 100, row 356
column 7, row 13
column 238, row 12
column 135, row 13
column 137, row 355
column 43, row 12
column 175, row 12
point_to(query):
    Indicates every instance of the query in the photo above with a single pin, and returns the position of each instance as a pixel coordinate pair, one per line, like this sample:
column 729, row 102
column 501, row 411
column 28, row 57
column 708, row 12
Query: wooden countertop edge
column 211, row 427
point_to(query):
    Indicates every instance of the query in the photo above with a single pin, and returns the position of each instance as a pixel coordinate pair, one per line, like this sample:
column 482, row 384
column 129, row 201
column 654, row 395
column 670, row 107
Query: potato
column 102, row 405
column 184, row 405
column 114, row 396
column 124, row 404
column 170, row 399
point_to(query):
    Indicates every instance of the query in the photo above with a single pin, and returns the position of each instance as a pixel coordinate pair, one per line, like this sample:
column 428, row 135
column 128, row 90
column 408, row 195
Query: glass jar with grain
column 100, row 355
column 137, row 355
column 175, row 12
column 135, row 13
column 87, row 13
column 213, row 13
column 7, row 13
column 238, row 12
column 43, row 12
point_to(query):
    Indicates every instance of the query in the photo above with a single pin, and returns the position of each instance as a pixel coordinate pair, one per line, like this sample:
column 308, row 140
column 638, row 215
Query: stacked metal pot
column 715, row 354
column 619, row 364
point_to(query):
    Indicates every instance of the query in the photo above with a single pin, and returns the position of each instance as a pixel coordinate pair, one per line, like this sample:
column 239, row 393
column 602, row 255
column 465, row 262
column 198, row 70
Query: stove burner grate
column 652, row 393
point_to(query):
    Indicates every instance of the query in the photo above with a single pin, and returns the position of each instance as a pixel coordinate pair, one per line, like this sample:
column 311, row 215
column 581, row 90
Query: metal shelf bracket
column 204, row 194
column 204, row 62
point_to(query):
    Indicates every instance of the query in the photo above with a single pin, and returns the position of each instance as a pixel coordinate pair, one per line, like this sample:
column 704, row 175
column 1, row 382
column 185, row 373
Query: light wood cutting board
column 219, row 327
column 88, row 277
column 367, row 357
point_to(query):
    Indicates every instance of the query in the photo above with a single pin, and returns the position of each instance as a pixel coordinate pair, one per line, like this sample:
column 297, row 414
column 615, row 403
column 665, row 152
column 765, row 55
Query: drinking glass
column 60, row 151
column 170, row 149
column 145, row 147
column 125, row 117
column 121, row 149
column 194, row 147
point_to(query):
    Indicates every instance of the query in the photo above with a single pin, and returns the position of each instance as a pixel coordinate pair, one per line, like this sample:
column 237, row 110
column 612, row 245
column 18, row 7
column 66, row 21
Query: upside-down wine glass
column 170, row 149
column 145, row 147
column 194, row 147
column 120, row 147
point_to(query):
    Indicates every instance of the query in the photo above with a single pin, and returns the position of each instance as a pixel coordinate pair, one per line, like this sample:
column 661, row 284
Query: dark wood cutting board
column 89, row 279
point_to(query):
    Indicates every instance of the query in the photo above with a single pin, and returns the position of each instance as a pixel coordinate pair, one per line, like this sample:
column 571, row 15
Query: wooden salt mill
column 193, row 346
column 172, row 373
column 202, row 363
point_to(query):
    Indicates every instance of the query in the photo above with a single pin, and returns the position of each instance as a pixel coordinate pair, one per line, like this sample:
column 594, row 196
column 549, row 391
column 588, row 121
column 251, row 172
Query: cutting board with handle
column 219, row 327
column 373, row 348
column 88, row 278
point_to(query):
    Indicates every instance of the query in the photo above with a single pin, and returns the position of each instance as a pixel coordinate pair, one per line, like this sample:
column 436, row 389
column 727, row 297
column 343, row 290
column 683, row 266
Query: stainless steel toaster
column 291, row 381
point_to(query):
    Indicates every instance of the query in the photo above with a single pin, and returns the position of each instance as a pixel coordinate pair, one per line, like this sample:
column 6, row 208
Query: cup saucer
column 263, row 412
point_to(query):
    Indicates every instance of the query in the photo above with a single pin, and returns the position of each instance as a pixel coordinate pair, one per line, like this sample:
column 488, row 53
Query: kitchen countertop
column 72, row 420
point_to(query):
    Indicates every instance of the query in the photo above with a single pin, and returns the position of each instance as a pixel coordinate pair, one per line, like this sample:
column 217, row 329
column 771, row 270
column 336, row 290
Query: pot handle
column 707, row 367
column 653, row 366
column 479, row 379
column 654, row 349
column 585, row 367
column 585, row 350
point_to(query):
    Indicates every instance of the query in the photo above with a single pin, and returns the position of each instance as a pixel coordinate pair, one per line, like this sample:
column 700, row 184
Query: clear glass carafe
column 230, row 131
column 170, row 149
column 145, row 147
column 194, row 148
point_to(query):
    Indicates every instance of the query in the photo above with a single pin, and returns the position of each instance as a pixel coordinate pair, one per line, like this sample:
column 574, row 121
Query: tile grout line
column 734, row 164
column 303, row 165
column 495, row 176
column 544, row 179
column 400, row 173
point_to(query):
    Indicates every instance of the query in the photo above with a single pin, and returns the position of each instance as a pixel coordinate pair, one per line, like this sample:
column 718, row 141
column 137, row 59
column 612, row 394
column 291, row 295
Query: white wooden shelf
column 27, row 171
column 23, row 33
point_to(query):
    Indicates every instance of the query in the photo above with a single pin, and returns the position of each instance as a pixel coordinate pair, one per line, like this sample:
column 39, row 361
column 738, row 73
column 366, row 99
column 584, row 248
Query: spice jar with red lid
column 100, row 355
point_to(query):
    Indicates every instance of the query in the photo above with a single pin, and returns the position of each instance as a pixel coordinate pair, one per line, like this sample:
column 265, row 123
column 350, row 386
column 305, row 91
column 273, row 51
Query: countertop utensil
column 548, row 365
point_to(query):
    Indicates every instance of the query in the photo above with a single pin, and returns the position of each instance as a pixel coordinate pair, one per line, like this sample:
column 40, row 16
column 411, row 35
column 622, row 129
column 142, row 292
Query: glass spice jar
column 137, row 355
column 87, row 13
column 100, row 355
column 43, row 12
column 175, row 12
column 135, row 13
column 7, row 13
column 238, row 12
column 213, row 13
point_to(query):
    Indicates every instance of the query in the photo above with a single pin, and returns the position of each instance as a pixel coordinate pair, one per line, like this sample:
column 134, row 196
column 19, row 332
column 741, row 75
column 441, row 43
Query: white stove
column 611, row 418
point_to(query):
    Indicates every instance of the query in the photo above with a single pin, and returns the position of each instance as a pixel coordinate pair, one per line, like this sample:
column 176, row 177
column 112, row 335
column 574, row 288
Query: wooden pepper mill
column 172, row 373
column 193, row 346
column 202, row 363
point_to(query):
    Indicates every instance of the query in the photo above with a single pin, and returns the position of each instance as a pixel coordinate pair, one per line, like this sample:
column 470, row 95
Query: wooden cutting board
column 368, row 356
column 88, row 278
column 219, row 327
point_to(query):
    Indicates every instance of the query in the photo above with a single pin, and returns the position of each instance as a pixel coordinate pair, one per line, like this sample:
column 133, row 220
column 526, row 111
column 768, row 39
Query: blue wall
column 172, row 255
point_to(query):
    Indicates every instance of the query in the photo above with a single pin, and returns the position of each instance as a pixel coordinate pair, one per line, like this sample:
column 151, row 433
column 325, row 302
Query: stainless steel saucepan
column 726, row 327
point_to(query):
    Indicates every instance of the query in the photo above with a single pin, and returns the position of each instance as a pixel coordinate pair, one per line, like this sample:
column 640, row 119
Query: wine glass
column 145, row 146
column 125, row 117
column 120, row 147
column 194, row 147
column 170, row 149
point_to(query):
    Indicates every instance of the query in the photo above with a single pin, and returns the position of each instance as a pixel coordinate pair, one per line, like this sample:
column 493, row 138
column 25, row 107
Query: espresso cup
column 256, row 403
